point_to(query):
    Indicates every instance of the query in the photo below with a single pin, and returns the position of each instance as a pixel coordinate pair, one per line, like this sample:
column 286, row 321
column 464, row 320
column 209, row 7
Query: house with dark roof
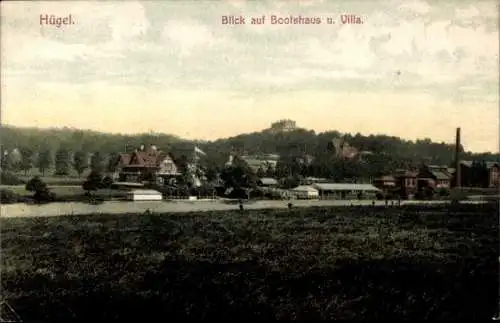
column 401, row 182
column 480, row 174
column 148, row 164
column 434, row 176
column 406, row 182
column 122, row 160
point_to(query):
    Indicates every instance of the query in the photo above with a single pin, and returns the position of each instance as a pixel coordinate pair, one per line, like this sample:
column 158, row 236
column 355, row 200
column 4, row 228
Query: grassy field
column 58, row 190
column 315, row 263
column 68, row 193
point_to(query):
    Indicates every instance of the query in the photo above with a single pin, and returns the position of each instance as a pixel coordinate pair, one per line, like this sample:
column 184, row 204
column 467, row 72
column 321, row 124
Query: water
column 116, row 207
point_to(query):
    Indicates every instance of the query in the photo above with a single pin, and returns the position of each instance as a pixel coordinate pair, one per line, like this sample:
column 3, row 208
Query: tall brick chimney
column 458, row 174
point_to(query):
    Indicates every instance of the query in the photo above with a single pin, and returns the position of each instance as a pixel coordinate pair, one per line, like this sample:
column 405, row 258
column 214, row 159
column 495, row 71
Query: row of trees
column 63, row 161
column 288, row 166
column 66, row 150
column 298, row 141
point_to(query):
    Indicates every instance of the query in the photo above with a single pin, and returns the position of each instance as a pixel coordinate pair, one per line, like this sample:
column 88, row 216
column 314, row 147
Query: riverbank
column 176, row 206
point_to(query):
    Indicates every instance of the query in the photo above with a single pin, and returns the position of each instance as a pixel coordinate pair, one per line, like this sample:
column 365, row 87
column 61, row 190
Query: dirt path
column 61, row 209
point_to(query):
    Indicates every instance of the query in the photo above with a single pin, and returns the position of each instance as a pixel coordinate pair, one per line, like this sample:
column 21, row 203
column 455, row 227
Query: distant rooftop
column 268, row 181
column 283, row 125
column 345, row 187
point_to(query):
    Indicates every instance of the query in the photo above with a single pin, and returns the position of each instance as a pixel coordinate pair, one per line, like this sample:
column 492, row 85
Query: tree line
column 63, row 161
column 65, row 150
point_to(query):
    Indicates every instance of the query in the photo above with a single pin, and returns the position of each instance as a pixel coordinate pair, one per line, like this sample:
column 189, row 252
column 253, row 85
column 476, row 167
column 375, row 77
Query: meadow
column 352, row 263
column 70, row 180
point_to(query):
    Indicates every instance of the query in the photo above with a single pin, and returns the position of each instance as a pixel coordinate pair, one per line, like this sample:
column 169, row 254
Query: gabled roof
column 123, row 159
column 147, row 158
column 268, row 181
column 440, row 175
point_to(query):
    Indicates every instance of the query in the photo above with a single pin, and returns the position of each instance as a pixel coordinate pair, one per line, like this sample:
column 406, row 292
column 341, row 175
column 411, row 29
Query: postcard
column 288, row 159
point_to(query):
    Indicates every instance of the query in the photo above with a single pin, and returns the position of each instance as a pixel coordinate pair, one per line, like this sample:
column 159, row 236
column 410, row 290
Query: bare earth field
column 370, row 263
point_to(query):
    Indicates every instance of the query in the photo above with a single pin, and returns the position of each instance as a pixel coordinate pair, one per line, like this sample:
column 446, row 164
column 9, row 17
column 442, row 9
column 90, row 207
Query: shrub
column 107, row 182
column 36, row 185
column 93, row 183
column 8, row 197
column 42, row 192
column 183, row 191
column 44, row 196
column 444, row 192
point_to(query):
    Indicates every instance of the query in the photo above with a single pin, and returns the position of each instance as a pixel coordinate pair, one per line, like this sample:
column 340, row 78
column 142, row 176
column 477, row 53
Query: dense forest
column 49, row 146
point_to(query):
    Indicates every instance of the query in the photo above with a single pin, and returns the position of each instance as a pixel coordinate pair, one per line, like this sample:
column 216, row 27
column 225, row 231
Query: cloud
column 181, row 45
column 418, row 7
column 189, row 36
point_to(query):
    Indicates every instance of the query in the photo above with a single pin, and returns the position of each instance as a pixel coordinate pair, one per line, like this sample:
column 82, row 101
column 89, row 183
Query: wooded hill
column 386, row 151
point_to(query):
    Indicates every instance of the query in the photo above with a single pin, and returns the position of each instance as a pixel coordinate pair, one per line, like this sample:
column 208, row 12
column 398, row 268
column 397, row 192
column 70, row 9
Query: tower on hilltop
column 283, row 125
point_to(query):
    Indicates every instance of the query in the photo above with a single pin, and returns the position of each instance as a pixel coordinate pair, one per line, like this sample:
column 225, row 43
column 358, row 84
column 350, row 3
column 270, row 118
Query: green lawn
column 58, row 190
column 358, row 263
column 67, row 193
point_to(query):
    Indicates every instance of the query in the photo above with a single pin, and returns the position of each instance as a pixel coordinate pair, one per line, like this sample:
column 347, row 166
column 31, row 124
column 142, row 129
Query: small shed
column 267, row 182
column 144, row 195
column 346, row 190
column 305, row 192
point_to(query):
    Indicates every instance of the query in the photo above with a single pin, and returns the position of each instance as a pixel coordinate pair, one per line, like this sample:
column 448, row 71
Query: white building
column 345, row 190
column 305, row 192
column 144, row 195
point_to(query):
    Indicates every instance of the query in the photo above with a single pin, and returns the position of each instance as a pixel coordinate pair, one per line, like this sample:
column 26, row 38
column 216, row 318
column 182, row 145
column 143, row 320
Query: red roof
column 123, row 159
column 147, row 158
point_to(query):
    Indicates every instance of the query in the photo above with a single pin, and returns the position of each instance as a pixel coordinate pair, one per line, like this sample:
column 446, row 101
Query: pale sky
column 413, row 69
